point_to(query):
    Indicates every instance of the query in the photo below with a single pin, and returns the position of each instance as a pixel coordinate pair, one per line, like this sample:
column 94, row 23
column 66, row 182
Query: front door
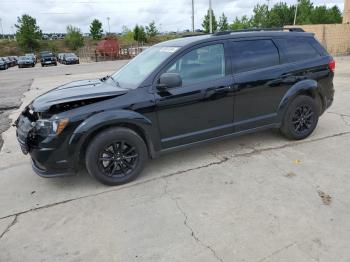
column 202, row 107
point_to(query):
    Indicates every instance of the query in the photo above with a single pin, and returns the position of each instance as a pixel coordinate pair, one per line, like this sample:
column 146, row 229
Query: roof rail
column 290, row 29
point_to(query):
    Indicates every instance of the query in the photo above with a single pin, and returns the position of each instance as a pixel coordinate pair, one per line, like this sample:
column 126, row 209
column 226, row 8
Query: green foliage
column 281, row 14
column 151, row 29
column 205, row 22
column 28, row 33
column 127, row 36
column 261, row 16
column 241, row 23
column 52, row 47
column 305, row 9
column 74, row 39
column 96, row 29
column 140, row 34
column 223, row 24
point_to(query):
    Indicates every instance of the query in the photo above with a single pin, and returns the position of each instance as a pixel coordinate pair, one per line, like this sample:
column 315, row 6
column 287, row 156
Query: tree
column 242, row 23
column 335, row 15
column 28, row 33
column 223, row 25
column 127, row 34
column 151, row 29
column 140, row 34
column 305, row 8
column 261, row 16
column 280, row 15
column 206, row 22
column 74, row 38
column 96, row 29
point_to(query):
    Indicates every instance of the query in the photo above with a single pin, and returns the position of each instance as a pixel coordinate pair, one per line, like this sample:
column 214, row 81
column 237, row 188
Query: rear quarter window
column 297, row 49
column 251, row 55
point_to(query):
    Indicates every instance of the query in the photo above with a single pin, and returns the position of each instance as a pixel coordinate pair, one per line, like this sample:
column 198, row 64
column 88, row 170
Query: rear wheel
column 116, row 156
column 300, row 119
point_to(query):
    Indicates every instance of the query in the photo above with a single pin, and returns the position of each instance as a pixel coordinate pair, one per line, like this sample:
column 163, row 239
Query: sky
column 169, row 15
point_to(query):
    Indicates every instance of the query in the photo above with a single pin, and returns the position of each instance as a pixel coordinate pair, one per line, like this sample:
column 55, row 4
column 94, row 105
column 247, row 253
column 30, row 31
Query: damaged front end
column 45, row 126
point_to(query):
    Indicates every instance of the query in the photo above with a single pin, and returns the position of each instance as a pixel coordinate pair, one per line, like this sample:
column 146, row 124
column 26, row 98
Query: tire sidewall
column 101, row 141
column 288, row 128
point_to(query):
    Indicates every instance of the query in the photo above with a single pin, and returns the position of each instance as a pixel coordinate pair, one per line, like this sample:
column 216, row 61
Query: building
column 346, row 16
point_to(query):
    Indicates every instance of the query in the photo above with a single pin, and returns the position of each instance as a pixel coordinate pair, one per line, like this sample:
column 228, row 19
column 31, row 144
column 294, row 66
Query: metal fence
column 88, row 54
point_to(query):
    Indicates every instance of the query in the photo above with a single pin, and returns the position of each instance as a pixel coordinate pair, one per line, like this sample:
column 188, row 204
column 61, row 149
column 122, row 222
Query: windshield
column 70, row 55
column 132, row 74
column 24, row 58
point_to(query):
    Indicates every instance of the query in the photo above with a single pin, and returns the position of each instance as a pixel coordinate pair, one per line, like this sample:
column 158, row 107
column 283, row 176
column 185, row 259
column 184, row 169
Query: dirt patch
column 291, row 174
column 11, row 93
column 326, row 199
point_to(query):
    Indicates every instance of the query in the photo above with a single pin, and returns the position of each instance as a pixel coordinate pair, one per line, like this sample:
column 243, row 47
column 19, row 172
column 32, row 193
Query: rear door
column 260, row 82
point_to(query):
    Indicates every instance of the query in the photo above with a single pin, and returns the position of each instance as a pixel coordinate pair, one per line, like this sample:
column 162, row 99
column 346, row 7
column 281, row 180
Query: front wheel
column 116, row 156
column 300, row 119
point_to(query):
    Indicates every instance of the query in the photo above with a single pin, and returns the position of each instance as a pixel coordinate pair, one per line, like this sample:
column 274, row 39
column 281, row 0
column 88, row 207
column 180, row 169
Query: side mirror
column 169, row 80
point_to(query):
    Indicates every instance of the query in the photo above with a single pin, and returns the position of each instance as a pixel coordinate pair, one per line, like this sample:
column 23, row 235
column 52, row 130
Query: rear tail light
column 331, row 65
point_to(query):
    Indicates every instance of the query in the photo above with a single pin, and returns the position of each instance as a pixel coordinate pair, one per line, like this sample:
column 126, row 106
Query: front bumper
column 50, row 157
column 50, row 173
column 72, row 62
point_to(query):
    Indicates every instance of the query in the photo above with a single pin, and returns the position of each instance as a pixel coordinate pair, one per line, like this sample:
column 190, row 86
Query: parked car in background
column 32, row 56
column 12, row 60
column 7, row 61
column 25, row 61
column 60, row 57
column 47, row 58
column 70, row 58
column 3, row 64
column 15, row 58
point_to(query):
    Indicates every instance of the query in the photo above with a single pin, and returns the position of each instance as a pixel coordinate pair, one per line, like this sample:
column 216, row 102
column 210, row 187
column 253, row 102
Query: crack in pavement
column 114, row 189
column 225, row 159
column 342, row 116
column 276, row 252
column 14, row 221
column 187, row 225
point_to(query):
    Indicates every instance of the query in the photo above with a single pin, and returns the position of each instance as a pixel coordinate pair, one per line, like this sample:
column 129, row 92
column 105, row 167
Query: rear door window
column 297, row 49
column 250, row 55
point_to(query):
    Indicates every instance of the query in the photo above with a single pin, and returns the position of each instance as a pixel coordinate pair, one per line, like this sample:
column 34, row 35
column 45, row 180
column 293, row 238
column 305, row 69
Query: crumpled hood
column 75, row 91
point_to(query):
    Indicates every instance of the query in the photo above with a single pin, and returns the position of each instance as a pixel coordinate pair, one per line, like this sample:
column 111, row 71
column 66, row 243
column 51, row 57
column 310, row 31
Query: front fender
column 306, row 86
column 103, row 119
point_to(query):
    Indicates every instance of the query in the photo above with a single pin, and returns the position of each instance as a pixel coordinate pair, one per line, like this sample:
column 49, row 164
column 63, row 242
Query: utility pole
column 210, row 18
column 296, row 11
column 192, row 15
column 2, row 30
column 109, row 28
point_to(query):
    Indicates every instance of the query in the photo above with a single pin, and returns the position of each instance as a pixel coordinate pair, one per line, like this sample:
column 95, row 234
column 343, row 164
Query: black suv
column 178, row 94
column 47, row 58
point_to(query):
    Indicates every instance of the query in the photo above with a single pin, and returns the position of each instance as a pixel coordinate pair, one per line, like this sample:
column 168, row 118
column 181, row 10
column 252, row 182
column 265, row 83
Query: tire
column 42, row 65
column 300, row 119
column 124, row 155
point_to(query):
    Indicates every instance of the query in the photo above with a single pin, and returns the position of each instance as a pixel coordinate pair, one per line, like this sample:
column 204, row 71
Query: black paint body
column 238, row 103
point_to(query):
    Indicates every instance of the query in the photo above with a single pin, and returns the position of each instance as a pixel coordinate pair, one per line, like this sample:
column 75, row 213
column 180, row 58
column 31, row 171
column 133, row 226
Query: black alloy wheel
column 116, row 156
column 118, row 159
column 301, row 118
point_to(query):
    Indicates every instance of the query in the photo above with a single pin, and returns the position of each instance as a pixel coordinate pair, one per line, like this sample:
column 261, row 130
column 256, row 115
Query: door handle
column 223, row 89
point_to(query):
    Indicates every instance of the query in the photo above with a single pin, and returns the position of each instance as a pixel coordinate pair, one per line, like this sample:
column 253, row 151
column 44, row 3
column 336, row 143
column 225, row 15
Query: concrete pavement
column 256, row 198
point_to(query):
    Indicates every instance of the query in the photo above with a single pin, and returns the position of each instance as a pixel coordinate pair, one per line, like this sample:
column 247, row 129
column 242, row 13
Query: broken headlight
column 45, row 127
